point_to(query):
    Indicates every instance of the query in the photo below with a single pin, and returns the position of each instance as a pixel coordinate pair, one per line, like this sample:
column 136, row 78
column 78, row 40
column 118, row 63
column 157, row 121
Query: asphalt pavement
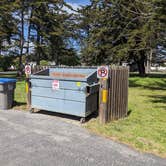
column 45, row 140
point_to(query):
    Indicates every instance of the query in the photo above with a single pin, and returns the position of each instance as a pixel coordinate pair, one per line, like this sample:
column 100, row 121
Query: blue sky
column 79, row 2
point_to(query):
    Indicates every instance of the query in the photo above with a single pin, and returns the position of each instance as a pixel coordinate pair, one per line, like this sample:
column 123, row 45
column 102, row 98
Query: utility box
column 72, row 91
column 7, row 87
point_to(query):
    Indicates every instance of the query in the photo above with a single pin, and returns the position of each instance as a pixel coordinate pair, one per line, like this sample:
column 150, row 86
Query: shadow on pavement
column 66, row 116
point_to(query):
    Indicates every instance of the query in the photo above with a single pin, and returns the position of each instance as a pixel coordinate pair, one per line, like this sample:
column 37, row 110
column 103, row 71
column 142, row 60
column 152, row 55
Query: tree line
column 103, row 32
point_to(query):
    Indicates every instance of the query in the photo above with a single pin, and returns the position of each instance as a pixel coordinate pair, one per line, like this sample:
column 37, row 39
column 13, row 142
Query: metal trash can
column 7, row 87
column 72, row 91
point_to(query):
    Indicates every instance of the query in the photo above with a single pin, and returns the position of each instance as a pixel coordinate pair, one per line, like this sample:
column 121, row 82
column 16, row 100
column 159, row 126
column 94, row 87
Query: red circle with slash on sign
column 102, row 72
column 27, row 69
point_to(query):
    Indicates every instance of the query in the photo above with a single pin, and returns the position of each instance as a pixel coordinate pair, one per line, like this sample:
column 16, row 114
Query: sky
column 79, row 2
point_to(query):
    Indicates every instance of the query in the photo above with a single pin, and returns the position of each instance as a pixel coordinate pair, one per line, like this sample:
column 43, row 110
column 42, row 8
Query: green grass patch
column 145, row 127
column 20, row 96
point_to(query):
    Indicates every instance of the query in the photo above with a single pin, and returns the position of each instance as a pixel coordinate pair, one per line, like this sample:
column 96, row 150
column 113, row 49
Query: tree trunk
column 20, row 72
column 149, row 59
column 38, row 48
column 29, row 32
column 141, row 66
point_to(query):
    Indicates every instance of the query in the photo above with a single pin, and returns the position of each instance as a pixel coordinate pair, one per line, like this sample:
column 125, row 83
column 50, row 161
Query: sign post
column 28, row 85
column 102, row 74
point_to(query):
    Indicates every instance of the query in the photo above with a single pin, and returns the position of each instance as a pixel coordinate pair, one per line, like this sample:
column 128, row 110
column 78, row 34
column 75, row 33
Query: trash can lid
column 6, row 80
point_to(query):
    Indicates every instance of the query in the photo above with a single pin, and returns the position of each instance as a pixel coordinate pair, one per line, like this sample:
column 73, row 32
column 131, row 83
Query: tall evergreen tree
column 44, row 24
column 160, row 19
column 118, row 30
column 20, row 12
column 8, row 26
column 50, row 22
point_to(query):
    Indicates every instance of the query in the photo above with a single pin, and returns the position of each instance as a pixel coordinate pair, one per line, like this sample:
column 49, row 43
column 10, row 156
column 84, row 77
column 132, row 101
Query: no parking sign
column 28, row 69
column 102, row 72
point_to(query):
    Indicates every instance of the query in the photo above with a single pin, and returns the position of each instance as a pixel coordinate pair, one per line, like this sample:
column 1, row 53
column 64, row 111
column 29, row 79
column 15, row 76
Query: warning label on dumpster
column 55, row 85
column 102, row 72
column 78, row 84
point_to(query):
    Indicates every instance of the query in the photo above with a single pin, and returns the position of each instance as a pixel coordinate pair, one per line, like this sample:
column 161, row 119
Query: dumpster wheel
column 82, row 120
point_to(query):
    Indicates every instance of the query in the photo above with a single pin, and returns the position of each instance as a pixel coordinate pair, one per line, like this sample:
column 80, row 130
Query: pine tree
column 20, row 10
column 49, row 29
column 8, row 26
column 114, row 31
column 50, row 22
column 160, row 19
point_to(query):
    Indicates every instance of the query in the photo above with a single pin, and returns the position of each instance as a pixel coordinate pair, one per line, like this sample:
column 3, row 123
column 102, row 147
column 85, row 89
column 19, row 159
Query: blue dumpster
column 72, row 91
column 7, row 87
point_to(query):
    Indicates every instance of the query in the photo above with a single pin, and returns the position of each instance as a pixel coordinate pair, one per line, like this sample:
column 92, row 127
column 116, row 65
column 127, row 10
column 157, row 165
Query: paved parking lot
column 43, row 140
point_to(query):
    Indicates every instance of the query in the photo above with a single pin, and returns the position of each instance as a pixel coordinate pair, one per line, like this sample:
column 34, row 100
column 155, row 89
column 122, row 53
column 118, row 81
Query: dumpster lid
column 6, row 80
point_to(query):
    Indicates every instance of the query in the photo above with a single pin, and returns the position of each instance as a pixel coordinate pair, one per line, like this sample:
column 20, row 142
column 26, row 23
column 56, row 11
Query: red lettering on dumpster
column 68, row 75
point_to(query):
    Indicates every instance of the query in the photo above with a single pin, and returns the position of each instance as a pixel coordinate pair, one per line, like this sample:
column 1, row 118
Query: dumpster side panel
column 47, row 83
column 65, row 101
column 58, row 105
column 59, row 94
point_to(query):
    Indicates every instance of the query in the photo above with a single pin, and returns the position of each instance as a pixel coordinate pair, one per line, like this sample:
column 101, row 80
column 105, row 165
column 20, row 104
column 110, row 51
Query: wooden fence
column 118, row 93
column 116, row 106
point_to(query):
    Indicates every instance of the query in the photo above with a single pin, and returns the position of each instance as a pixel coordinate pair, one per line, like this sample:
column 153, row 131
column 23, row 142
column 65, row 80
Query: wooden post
column 103, row 107
column 28, row 91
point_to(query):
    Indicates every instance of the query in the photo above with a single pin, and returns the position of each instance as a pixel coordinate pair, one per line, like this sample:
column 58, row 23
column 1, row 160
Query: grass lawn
column 20, row 96
column 145, row 127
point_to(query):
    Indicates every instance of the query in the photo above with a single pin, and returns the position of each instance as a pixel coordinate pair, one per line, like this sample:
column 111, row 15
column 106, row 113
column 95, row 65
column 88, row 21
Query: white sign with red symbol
column 27, row 69
column 55, row 85
column 102, row 72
